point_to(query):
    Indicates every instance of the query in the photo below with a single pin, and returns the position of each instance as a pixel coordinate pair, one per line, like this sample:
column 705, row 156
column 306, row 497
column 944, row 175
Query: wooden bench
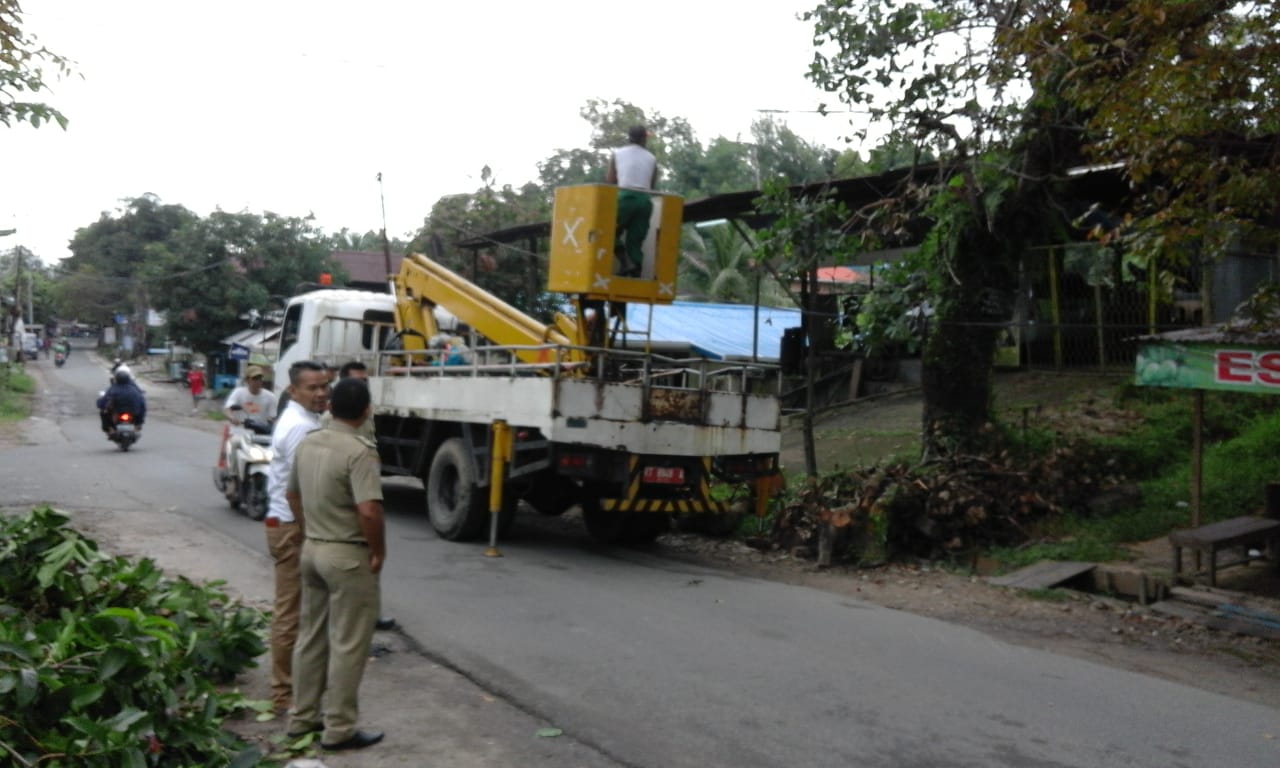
column 1245, row 532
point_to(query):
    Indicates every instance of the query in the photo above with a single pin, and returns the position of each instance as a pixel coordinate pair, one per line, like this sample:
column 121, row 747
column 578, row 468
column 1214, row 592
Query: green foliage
column 205, row 274
column 890, row 317
column 806, row 231
column 36, row 278
column 104, row 662
column 1164, row 439
column 510, row 272
column 23, row 63
column 1236, row 472
column 1242, row 435
column 717, row 265
column 16, row 388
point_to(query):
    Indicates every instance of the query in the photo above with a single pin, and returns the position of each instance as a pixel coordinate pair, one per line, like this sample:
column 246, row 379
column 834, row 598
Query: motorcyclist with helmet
column 123, row 396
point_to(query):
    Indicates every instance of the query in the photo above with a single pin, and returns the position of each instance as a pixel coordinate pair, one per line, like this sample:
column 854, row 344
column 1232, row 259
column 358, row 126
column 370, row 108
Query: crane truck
column 489, row 406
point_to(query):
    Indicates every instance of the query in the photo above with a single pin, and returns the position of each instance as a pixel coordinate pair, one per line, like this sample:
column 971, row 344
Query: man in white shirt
column 308, row 398
column 635, row 170
column 248, row 399
column 251, row 398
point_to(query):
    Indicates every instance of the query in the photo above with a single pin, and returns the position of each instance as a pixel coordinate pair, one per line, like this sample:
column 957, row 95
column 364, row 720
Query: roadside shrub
column 15, row 391
column 104, row 662
column 1233, row 482
column 1164, row 438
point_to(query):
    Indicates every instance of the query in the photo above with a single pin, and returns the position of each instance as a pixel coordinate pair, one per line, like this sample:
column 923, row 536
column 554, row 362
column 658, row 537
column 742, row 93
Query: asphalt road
column 665, row 665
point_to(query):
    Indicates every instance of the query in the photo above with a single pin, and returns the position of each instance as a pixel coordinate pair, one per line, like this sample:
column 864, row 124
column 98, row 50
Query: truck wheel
column 456, row 507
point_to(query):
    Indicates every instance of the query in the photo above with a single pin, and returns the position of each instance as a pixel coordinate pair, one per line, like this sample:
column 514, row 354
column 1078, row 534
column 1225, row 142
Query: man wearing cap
column 308, row 398
column 250, row 399
column 635, row 170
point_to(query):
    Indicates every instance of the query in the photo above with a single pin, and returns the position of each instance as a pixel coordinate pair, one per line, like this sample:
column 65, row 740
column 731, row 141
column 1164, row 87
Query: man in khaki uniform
column 335, row 483
column 355, row 369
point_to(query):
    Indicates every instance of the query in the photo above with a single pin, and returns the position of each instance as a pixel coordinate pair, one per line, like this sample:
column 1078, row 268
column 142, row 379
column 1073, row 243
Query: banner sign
column 1208, row 366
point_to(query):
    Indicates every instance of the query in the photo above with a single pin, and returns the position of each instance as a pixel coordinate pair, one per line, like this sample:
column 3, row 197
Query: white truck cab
column 334, row 326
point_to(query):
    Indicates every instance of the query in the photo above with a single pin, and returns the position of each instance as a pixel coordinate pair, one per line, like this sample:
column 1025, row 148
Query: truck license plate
column 664, row 475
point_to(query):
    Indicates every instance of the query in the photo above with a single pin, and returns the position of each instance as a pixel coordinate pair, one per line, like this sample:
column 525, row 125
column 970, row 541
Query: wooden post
column 1197, row 461
column 1152, row 286
column 1056, row 308
column 1097, row 318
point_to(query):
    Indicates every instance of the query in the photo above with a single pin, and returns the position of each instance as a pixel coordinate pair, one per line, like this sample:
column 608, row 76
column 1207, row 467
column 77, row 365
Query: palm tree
column 718, row 265
column 714, row 266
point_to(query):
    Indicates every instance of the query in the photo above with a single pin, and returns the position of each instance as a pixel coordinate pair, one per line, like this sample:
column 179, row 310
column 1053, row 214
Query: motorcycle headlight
column 256, row 454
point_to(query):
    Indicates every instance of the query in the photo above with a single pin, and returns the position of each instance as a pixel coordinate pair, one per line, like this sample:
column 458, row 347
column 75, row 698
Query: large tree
column 213, row 273
column 513, row 272
column 205, row 274
column 1013, row 95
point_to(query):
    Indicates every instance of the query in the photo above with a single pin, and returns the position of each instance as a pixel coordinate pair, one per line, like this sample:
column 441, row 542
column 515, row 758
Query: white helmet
column 123, row 368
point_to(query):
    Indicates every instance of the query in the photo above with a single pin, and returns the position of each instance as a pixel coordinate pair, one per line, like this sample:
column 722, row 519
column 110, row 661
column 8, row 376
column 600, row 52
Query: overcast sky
column 294, row 107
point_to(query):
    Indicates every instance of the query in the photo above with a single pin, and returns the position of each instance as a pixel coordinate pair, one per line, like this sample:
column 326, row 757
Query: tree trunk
column 810, row 375
column 957, row 358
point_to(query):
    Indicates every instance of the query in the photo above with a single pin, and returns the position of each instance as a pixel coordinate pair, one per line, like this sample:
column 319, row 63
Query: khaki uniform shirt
column 335, row 469
column 366, row 427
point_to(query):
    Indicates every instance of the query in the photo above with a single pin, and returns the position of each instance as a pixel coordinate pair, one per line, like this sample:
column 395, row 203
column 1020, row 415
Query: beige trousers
column 340, row 603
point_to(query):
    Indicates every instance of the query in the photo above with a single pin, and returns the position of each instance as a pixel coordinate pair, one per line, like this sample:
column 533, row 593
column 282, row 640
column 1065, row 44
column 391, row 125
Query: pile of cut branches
column 104, row 662
column 943, row 508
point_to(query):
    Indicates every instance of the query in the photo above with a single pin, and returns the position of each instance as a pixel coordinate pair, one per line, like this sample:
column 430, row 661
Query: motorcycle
column 242, row 475
column 124, row 432
column 59, row 358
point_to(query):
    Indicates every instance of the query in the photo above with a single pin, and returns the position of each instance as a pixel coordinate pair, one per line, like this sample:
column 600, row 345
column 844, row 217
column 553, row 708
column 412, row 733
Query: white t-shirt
column 294, row 424
column 635, row 166
column 261, row 405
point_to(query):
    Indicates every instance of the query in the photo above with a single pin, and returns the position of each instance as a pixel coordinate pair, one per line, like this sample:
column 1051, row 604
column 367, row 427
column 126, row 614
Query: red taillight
column 125, row 417
column 575, row 461
column 663, row 475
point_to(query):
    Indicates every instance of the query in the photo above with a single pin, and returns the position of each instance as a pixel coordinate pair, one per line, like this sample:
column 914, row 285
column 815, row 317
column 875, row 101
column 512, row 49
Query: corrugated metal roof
column 717, row 330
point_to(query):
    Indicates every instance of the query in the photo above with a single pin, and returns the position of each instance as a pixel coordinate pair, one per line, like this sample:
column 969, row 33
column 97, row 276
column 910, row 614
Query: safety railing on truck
column 607, row 365
column 647, row 370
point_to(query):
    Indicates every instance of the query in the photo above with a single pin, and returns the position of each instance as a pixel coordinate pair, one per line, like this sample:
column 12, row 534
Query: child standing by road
column 195, row 380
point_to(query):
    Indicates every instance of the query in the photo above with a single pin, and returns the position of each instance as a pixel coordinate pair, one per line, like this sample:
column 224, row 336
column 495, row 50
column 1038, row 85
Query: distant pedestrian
column 335, row 491
column 195, row 380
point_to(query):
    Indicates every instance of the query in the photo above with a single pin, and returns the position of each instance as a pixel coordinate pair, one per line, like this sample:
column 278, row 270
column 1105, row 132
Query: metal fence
column 1080, row 307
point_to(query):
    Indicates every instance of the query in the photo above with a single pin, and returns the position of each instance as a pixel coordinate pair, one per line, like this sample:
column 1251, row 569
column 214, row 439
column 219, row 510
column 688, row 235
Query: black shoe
column 358, row 740
column 384, row 623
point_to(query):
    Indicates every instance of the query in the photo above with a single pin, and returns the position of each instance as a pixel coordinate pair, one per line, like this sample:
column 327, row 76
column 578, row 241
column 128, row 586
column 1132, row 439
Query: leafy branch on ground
column 105, row 662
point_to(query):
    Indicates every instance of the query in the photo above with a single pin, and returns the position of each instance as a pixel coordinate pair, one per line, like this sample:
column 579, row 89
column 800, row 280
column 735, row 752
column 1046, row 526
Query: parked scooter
column 242, row 476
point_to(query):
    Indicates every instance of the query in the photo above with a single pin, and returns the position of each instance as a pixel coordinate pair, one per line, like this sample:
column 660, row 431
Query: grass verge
column 16, row 388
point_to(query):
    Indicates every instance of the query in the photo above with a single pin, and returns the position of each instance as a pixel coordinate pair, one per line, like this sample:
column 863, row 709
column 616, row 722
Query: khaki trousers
column 340, row 603
column 284, row 542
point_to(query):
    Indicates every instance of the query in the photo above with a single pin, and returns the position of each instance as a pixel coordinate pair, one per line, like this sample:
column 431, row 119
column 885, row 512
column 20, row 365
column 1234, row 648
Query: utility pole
column 16, row 342
column 386, row 244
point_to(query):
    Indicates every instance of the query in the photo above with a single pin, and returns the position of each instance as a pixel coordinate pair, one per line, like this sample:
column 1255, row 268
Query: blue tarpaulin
column 717, row 330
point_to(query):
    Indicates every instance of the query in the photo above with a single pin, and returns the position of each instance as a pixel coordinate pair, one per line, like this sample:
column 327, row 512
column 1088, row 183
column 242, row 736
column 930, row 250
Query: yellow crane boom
column 423, row 284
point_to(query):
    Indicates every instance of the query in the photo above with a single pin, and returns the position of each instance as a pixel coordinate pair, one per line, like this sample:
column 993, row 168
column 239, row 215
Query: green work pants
column 634, row 210
column 340, row 604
